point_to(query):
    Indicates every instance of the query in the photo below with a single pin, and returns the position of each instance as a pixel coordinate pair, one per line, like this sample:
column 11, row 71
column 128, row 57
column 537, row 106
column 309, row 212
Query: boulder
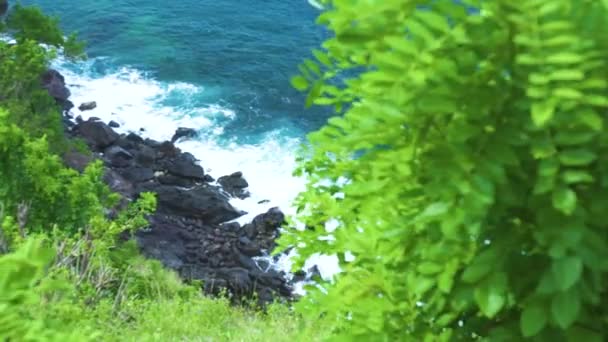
column 118, row 183
column 117, row 156
column 176, row 181
column 202, row 202
column 97, row 134
column 54, row 83
column 235, row 185
column 145, row 156
column 137, row 174
column 185, row 166
column 263, row 230
column 184, row 132
column 87, row 106
column 113, row 124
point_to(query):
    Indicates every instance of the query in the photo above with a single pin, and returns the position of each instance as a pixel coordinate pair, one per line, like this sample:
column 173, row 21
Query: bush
column 467, row 168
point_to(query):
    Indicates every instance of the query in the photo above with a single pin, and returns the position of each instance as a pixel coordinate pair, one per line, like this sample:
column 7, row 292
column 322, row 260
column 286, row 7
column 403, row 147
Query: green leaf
column 574, row 138
column 434, row 20
column 567, row 271
column 312, row 66
column 539, row 79
column 565, row 58
column 596, row 100
column 565, row 308
column 299, row 82
column 547, row 283
column 314, row 93
column 482, row 265
column 322, row 57
column 533, row 320
column 489, row 302
column 567, row 93
column 564, row 200
column 577, row 157
column 591, row 119
column 433, row 210
column 577, row 176
column 491, row 296
column 542, row 112
column 566, row 75
column 429, row 268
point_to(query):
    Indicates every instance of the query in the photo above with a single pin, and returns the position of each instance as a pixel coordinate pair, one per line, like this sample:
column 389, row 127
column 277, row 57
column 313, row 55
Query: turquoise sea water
column 242, row 52
column 220, row 66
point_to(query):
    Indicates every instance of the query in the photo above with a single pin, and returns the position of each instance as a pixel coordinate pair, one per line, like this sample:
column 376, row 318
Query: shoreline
column 193, row 230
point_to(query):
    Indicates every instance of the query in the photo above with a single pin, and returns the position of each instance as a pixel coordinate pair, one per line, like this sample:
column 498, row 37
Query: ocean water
column 221, row 67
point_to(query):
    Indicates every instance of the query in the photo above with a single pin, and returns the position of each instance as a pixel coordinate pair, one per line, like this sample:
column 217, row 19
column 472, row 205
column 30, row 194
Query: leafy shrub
column 467, row 168
column 23, row 287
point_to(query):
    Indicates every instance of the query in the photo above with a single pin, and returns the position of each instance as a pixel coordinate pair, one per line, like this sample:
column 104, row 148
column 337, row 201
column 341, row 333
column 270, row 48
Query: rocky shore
column 191, row 230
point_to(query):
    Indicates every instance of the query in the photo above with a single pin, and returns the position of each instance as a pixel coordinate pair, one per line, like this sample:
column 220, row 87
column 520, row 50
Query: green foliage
column 29, row 23
column 22, row 288
column 467, row 169
column 35, row 178
column 42, row 304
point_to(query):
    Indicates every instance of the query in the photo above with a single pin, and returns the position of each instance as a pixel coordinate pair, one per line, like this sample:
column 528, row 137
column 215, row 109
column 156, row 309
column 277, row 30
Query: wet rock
column 97, row 134
column 177, row 181
column 164, row 150
column 134, row 138
column 113, row 124
column 185, row 166
column 184, row 132
column 54, row 83
column 87, row 106
column 235, row 185
column 201, row 202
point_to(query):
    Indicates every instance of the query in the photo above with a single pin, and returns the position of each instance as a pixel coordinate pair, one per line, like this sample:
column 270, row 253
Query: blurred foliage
column 467, row 167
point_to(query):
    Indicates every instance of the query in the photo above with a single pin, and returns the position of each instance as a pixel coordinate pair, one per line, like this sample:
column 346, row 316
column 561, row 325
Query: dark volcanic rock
column 118, row 183
column 235, row 185
column 145, row 156
column 202, row 202
column 137, row 174
column 185, row 166
column 118, row 156
column 113, row 124
column 184, row 132
column 97, row 134
column 87, row 106
column 54, row 83
column 177, row 181
column 134, row 138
